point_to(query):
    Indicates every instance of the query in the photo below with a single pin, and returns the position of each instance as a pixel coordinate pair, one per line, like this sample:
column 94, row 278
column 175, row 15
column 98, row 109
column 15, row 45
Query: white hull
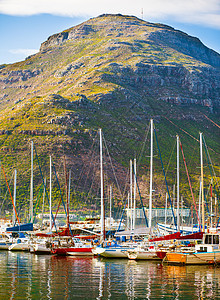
column 19, row 247
column 112, row 252
column 142, row 254
column 4, row 246
column 41, row 249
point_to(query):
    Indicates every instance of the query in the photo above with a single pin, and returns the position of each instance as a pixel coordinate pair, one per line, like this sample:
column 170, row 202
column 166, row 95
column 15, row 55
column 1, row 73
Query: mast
column 211, row 208
column 69, row 198
column 200, row 196
column 102, row 191
column 43, row 201
column 128, row 215
column 10, row 192
column 202, row 185
column 135, row 178
column 110, row 204
column 50, row 193
column 174, row 204
column 166, row 210
column 182, row 210
column 67, row 194
column 31, row 187
column 178, row 186
column 131, row 193
column 14, row 215
column 151, row 175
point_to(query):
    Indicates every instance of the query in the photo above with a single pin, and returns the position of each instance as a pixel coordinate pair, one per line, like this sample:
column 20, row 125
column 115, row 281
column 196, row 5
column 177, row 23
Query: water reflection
column 27, row 276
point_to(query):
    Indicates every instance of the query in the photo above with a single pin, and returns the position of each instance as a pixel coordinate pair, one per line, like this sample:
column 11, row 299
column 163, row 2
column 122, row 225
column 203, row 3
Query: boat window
column 203, row 249
column 216, row 239
column 208, row 239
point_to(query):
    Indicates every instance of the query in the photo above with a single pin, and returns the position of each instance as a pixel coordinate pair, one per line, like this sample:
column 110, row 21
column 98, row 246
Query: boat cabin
column 210, row 243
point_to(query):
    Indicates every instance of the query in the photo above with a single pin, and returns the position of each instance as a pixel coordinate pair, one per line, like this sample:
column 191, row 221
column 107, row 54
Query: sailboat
column 14, row 238
column 169, row 229
column 21, row 243
column 147, row 251
column 67, row 245
column 208, row 252
column 27, row 226
column 70, row 246
column 107, row 248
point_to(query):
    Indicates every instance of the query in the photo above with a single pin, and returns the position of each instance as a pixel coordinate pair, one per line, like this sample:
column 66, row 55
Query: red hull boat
column 73, row 251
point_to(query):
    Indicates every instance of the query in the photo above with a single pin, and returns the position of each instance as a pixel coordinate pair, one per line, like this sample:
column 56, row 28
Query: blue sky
column 25, row 24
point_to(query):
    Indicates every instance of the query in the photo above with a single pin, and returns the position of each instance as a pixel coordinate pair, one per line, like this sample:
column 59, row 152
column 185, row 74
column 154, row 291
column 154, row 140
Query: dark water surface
column 28, row 276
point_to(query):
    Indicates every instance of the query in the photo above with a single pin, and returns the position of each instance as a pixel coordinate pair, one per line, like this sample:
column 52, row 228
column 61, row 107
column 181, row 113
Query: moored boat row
column 173, row 251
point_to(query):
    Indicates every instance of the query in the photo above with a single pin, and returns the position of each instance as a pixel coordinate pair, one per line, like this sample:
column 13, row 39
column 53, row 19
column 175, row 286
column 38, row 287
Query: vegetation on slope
column 114, row 73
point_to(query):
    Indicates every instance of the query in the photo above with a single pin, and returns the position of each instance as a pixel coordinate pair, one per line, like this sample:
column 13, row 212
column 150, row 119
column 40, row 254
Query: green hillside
column 116, row 73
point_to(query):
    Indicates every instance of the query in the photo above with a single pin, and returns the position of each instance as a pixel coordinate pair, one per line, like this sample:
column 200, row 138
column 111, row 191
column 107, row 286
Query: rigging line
column 181, row 129
column 169, row 162
column 91, row 149
column 125, row 121
column 210, row 162
column 188, row 133
column 165, row 179
column 206, row 197
column 87, row 174
column 184, row 160
column 211, row 120
column 124, row 202
column 36, row 205
column 6, row 193
column 142, row 150
column 207, row 206
column 10, row 194
column 170, row 157
column 123, row 195
column 91, row 187
column 43, row 181
column 90, row 168
column 57, row 180
column 122, row 215
column 140, row 196
column 58, row 207
column 112, row 166
column 191, row 163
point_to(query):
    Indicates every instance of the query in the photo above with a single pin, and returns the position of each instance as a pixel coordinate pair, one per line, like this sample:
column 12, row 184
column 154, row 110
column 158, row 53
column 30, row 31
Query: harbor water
column 27, row 276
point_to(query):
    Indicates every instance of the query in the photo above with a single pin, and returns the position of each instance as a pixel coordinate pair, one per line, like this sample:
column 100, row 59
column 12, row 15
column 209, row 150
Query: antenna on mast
column 142, row 13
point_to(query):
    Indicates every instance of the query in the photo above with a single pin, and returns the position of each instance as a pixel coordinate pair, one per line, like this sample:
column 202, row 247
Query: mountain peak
column 133, row 30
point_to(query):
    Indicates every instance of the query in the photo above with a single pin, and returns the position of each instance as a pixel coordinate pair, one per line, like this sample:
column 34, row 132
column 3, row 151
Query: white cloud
column 23, row 52
column 206, row 12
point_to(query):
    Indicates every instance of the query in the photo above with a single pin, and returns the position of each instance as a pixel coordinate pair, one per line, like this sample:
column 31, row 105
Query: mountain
column 113, row 72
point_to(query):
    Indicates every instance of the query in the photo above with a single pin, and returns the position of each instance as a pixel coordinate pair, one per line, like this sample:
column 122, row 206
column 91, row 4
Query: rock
column 18, row 75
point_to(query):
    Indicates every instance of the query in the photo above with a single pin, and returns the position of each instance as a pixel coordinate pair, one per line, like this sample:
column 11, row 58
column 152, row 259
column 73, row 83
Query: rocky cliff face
column 171, row 63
